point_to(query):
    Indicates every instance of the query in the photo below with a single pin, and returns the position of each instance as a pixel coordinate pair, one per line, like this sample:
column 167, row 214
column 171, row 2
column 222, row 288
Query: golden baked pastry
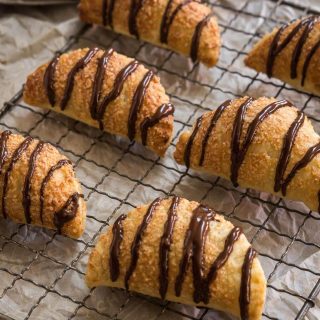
column 107, row 90
column 262, row 144
column 187, row 27
column 38, row 186
column 290, row 53
column 181, row 251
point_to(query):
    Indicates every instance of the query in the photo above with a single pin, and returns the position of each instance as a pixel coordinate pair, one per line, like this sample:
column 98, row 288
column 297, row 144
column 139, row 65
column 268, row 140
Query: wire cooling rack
column 241, row 24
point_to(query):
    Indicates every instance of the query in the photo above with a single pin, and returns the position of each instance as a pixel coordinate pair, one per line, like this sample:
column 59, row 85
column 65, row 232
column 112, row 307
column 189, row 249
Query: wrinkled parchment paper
column 29, row 36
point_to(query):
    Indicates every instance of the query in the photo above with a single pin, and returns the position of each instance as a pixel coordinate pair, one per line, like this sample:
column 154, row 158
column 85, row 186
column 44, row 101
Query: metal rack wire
column 124, row 153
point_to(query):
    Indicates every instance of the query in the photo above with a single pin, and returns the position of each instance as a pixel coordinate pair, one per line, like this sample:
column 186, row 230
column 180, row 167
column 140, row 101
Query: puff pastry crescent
column 182, row 251
column 291, row 53
column 262, row 144
column 107, row 90
column 38, row 186
column 187, row 27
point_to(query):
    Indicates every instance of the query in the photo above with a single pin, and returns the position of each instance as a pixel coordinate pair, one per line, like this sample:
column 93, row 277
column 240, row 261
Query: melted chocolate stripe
column 218, row 113
column 187, row 152
column 117, row 232
column 26, row 199
column 164, row 23
column 165, row 244
column 136, row 5
column 71, row 76
column 298, row 49
column 98, row 83
column 67, row 212
column 3, row 148
column 105, row 21
column 252, row 129
column 307, row 62
column 197, row 35
column 240, row 154
column 222, row 258
column 244, row 298
column 15, row 157
column 310, row 154
column 45, row 181
column 166, row 28
column 137, row 240
column 235, row 142
column 137, row 102
column 286, row 150
column 110, row 13
column 193, row 248
column 117, row 88
column 48, row 80
column 162, row 112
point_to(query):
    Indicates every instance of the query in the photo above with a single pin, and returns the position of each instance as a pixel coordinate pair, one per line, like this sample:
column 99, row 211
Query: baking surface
column 43, row 273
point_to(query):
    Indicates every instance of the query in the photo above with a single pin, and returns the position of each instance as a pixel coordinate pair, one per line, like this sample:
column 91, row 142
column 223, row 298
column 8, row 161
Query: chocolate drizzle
column 164, row 28
column 15, row 157
column 67, row 212
column 218, row 113
column 47, row 178
column 193, row 248
column 71, row 76
column 235, row 141
column 222, row 258
column 49, row 80
column 137, row 240
column 105, row 21
column 276, row 47
column 168, row 20
column 307, row 62
column 136, row 5
column 116, row 90
column 187, row 152
column 117, row 231
column 244, row 298
column 197, row 35
column 107, row 12
column 98, row 83
column 137, row 102
column 162, row 112
column 3, row 148
column 238, row 155
column 165, row 244
column 26, row 199
column 286, row 150
column 309, row 155
column 193, row 252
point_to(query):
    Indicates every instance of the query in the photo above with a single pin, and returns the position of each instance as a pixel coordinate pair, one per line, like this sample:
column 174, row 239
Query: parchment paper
column 28, row 37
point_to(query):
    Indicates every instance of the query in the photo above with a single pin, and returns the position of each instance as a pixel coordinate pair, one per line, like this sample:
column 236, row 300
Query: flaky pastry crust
column 261, row 165
column 291, row 54
column 38, row 186
column 101, row 93
column 187, row 27
column 224, row 290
